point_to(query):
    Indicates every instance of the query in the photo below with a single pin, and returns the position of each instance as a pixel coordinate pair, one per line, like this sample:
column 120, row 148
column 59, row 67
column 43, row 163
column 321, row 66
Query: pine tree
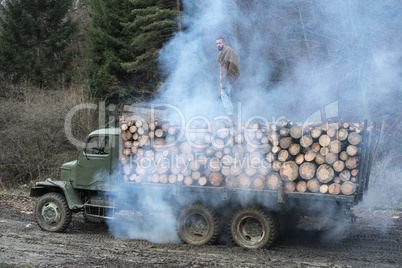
column 108, row 47
column 34, row 40
column 154, row 24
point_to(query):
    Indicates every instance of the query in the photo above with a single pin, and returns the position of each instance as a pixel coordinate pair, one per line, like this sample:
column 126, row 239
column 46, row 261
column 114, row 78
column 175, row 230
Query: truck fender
column 73, row 198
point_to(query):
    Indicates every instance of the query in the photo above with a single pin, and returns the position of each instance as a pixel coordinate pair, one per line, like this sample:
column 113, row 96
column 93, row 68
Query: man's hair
column 221, row 37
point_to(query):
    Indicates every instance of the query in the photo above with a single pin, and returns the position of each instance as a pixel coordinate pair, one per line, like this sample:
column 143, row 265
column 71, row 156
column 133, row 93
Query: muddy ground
column 375, row 240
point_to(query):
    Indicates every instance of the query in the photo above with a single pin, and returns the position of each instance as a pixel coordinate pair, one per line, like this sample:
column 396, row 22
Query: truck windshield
column 98, row 145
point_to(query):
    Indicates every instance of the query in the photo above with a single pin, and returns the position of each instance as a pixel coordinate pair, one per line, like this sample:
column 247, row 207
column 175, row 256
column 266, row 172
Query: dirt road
column 375, row 240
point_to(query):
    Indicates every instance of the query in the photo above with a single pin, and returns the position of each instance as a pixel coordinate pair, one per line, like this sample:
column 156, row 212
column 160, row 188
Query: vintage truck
column 301, row 170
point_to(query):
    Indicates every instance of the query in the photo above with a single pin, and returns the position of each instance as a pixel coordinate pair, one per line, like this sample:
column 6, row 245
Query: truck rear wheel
column 253, row 228
column 52, row 212
column 198, row 225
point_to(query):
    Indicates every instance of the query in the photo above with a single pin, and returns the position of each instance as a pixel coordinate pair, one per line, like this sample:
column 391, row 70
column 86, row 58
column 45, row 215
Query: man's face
column 220, row 44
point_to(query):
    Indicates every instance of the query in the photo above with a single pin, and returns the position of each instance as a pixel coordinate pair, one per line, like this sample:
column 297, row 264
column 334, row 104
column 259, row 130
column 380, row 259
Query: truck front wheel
column 198, row 225
column 253, row 228
column 52, row 212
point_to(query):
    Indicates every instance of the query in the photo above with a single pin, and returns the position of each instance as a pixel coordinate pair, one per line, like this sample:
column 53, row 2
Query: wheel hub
column 51, row 213
column 251, row 229
column 197, row 225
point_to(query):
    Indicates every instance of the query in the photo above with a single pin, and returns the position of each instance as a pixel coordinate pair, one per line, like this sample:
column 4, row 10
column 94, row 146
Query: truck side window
column 98, row 145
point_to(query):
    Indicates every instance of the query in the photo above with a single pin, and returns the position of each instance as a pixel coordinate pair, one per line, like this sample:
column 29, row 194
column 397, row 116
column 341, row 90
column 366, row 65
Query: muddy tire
column 198, row 225
column 52, row 213
column 254, row 228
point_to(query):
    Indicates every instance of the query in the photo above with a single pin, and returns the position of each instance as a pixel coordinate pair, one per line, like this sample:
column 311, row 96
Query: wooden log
column 265, row 148
column 324, row 140
column 274, row 181
column 276, row 165
column 155, row 178
column 275, row 149
column 352, row 162
column 285, row 142
column 306, row 141
column 225, row 170
column 188, row 181
column 231, row 181
column 250, row 171
column 331, row 132
column 334, row 188
column 354, row 138
column 345, row 175
column 283, row 155
column 195, row 175
column 124, row 160
column 315, row 147
column 274, row 138
column 270, row 157
column 324, row 188
column 353, row 179
column 351, row 150
column 310, row 156
column 348, row 188
column 294, row 149
column 126, row 169
column 342, row 134
column 290, row 186
column 336, row 180
column 319, row 159
column 289, row 171
column 258, row 182
column 172, row 178
column 316, row 133
column 216, row 179
column 235, row 170
column 163, row 178
column 202, row 181
column 343, row 156
column 284, row 132
column 299, row 159
column 325, row 173
column 265, row 168
column 335, row 146
column 296, row 132
column 324, row 151
column 126, row 135
column 214, row 164
column 313, row 185
column 338, row 165
column 124, row 127
column 180, row 177
column 243, row 181
column 331, row 158
column 307, row 170
column 186, row 148
column 354, row 172
column 127, row 152
column 301, row 186
column 132, row 129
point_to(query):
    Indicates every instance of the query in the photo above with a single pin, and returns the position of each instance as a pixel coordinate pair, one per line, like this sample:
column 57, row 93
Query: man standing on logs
column 229, row 72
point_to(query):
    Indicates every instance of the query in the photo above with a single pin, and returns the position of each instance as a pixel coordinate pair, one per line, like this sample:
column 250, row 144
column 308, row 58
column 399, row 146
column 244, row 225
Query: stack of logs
column 318, row 158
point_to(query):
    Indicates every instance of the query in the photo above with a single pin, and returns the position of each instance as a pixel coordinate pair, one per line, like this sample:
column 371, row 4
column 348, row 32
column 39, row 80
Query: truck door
column 94, row 164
